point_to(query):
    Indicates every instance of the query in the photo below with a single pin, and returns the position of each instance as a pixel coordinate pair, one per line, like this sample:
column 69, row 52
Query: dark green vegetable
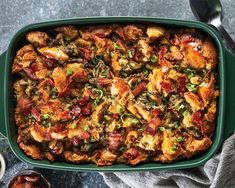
column 154, row 59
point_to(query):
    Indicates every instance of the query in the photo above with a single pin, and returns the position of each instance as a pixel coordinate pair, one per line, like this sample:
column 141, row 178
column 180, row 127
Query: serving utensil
column 211, row 12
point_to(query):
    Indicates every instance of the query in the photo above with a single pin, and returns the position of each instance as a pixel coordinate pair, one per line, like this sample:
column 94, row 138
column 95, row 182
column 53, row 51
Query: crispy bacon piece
column 153, row 125
column 121, row 86
column 114, row 141
column 86, row 53
column 182, row 81
column 30, row 73
column 139, row 89
column 197, row 118
column 36, row 114
column 103, row 81
column 166, row 86
column 156, row 113
column 49, row 62
column 25, row 104
column 64, row 115
column 131, row 153
column 87, row 109
column 165, row 65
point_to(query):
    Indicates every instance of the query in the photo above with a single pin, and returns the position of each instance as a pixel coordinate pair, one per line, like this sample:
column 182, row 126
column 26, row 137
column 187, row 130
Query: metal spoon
column 210, row 11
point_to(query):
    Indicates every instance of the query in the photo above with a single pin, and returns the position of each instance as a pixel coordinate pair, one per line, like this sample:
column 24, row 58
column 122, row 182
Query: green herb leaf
column 119, row 109
column 185, row 113
column 53, row 96
column 122, row 149
column 179, row 139
column 146, row 72
column 119, row 126
column 154, row 59
column 99, row 92
column 191, row 87
column 45, row 116
column 130, row 54
column 161, row 129
column 116, row 46
column 87, row 128
column 175, row 147
column 204, row 73
column 69, row 71
column 97, row 102
column 190, row 72
column 177, row 67
column 55, row 90
column 134, row 121
column 44, row 123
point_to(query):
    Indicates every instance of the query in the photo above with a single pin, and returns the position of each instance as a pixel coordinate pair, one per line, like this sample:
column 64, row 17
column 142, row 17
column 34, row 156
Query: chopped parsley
column 154, row 59
column 177, row 67
column 130, row 54
column 146, row 72
column 45, row 116
column 134, row 121
column 179, row 139
column 161, row 129
column 190, row 72
column 69, row 71
column 44, row 123
column 119, row 126
column 119, row 109
column 175, row 147
column 116, row 46
column 191, row 87
column 87, row 128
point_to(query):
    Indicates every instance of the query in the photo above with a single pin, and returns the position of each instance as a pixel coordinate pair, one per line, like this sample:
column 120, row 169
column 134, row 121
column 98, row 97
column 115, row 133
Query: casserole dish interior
column 11, row 130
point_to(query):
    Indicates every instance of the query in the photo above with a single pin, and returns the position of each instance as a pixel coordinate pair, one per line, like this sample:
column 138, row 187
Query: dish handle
column 2, row 89
column 229, row 126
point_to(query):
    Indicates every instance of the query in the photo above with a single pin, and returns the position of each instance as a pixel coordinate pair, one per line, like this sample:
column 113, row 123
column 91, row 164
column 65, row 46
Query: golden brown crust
column 109, row 94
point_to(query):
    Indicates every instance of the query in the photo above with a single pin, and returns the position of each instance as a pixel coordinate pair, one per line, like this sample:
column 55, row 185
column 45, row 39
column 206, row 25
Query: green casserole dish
column 225, row 123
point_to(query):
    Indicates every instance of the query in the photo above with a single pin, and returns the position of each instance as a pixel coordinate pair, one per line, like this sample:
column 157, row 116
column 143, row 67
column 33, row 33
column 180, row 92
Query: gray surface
column 15, row 14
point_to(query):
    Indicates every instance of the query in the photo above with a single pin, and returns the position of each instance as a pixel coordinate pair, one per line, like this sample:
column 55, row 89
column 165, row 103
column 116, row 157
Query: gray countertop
column 15, row 14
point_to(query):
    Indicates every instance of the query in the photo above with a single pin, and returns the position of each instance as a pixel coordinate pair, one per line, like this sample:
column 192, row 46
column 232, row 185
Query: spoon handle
column 228, row 40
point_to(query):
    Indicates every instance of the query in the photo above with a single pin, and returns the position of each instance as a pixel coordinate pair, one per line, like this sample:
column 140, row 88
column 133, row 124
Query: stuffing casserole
column 115, row 94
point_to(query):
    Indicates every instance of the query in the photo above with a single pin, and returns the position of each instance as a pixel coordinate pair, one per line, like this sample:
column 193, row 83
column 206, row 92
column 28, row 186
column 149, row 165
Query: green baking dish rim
column 8, row 95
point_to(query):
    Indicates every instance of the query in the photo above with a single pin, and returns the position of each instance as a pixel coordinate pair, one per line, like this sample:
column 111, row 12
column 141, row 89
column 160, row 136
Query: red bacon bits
column 34, row 67
column 182, row 81
column 76, row 111
column 186, row 38
column 25, row 104
column 86, row 97
column 65, row 115
column 30, row 73
column 103, row 82
column 121, row 86
column 84, row 135
column 87, row 109
column 115, row 116
column 197, row 119
column 114, row 141
column 36, row 114
column 156, row 113
column 139, row 89
column 153, row 125
column 131, row 154
column 49, row 63
column 60, row 127
column 86, row 53
column 166, row 86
